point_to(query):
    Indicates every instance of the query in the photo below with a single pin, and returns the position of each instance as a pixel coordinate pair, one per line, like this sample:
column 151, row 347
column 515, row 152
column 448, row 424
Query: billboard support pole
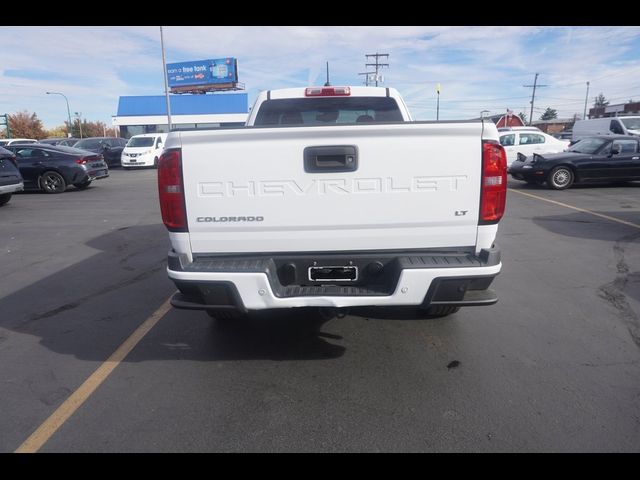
column 166, row 81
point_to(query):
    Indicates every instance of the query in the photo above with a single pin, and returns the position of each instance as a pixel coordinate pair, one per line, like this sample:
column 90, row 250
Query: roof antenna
column 327, row 83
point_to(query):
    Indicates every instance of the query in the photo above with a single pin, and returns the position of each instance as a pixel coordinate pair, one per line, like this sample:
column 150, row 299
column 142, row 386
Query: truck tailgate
column 416, row 185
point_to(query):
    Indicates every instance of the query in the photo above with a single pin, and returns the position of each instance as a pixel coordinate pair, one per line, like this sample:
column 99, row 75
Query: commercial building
column 617, row 110
column 148, row 114
column 555, row 125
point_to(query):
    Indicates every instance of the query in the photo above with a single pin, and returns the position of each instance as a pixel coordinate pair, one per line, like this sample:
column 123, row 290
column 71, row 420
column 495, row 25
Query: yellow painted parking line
column 77, row 398
column 583, row 210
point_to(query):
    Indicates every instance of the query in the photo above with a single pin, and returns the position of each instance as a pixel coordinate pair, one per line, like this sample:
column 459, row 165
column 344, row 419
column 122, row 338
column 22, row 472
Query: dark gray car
column 10, row 178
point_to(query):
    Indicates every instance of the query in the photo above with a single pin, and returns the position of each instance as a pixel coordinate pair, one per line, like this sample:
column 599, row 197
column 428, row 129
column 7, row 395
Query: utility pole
column 533, row 95
column 378, row 65
column 586, row 98
column 166, row 80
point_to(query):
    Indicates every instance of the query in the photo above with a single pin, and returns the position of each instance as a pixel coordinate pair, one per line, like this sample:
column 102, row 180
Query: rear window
column 90, row 143
column 140, row 142
column 328, row 111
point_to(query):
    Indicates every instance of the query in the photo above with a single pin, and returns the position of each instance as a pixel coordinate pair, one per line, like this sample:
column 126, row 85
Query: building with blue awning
column 148, row 114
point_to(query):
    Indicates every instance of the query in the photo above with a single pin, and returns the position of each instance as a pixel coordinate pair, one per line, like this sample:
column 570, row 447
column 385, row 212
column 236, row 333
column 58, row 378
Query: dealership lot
column 554, row 366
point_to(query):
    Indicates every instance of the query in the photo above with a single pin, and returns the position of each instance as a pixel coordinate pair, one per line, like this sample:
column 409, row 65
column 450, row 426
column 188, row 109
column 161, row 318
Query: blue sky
column 479, row 68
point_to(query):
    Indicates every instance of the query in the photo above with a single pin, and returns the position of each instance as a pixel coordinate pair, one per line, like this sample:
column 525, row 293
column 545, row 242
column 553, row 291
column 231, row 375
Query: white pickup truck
column 333, row 197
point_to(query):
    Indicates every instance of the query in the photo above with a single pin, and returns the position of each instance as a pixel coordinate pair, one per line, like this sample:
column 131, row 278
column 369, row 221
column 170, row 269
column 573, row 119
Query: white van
column 606, row 126
column 143, row 150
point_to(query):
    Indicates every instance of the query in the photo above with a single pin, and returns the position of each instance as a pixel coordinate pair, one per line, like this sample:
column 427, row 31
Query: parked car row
column 592, row 159
column 109, row 147
column 50, row 168
column 139, row 151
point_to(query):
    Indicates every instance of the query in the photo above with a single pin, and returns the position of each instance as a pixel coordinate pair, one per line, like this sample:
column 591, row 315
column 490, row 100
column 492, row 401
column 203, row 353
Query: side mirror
column 522, row 157
column 615, row 150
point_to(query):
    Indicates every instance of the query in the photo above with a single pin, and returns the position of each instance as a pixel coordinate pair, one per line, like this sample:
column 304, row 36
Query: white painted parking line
column 44, row 432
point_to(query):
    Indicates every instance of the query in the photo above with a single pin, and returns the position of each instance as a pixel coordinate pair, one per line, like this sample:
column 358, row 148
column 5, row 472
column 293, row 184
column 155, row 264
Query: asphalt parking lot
column 554, row 366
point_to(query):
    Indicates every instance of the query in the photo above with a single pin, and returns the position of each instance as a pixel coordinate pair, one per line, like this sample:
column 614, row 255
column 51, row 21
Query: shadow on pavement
column 392, row 313
column 584, row 225
column 89, row 308
column 291, row 334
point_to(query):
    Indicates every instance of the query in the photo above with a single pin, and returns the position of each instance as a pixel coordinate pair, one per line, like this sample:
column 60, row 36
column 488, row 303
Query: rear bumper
column 14, row 187
column 98, row 173
column 252, row 283
column 142, row 161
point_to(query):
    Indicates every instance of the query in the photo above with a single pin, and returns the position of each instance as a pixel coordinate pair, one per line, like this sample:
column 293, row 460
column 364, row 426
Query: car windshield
column 588, row 145
column 631, row 123
column 88, row 143
column 140, row 142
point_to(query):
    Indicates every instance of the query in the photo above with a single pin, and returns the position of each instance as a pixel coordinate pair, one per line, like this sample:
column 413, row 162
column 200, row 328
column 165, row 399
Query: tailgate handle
column 332, row 158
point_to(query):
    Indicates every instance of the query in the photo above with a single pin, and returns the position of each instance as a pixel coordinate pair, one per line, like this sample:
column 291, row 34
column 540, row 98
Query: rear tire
column 4, row 198
column 560, row 178
column 155, row 162
column 438, row 311
column 52, row 182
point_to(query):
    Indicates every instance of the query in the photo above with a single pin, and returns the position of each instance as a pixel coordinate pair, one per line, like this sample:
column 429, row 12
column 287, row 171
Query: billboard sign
column 221, row 71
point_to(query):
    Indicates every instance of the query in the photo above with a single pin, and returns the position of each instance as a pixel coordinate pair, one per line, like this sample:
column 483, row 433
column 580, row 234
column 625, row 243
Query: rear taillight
column 327, row 92
column 82, row 161
column 493, row 195
column 171, row 190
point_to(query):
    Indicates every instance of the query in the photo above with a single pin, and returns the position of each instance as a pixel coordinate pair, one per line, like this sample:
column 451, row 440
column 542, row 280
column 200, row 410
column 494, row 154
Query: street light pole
column 79, row 115
column 438, row 104
column 586, row 98
column 68, row 109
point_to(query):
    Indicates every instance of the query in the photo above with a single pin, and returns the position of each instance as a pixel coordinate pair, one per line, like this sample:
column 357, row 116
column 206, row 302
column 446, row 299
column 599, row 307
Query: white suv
column 529, row 142
column 143, row 150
